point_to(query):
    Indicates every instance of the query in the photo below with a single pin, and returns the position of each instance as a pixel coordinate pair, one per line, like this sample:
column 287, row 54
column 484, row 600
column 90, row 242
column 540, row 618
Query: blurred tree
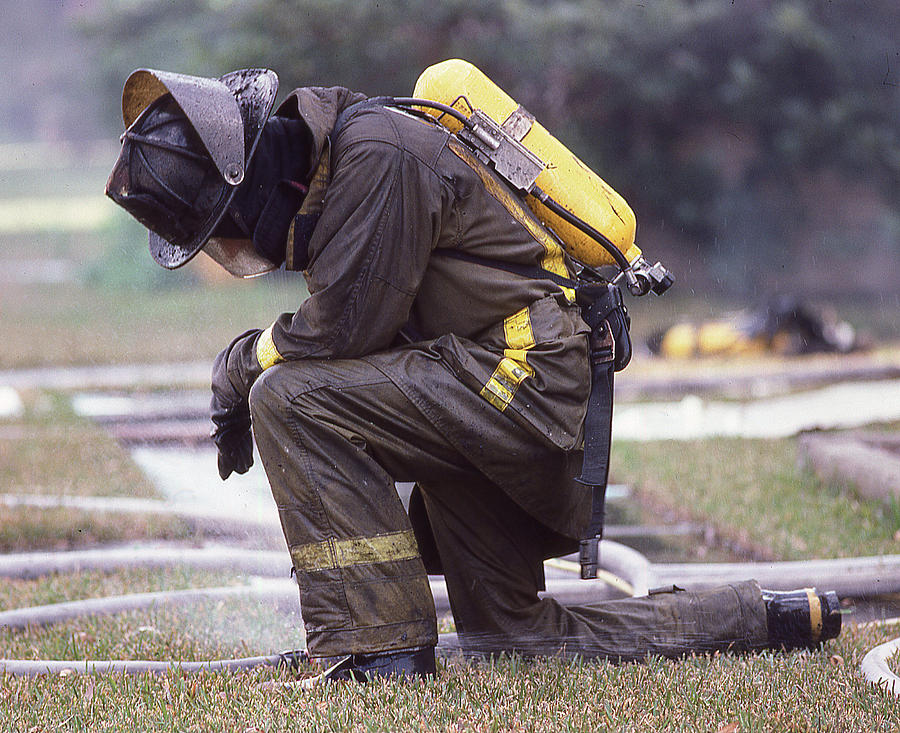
column 703, row 113
column 41, row 60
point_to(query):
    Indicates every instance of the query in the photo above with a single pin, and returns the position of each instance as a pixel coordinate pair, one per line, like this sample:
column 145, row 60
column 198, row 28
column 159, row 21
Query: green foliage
column 706, row 115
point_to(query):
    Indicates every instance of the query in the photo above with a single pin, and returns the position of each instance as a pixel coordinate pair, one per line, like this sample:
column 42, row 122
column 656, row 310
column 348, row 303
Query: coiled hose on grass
column 627, row 575
column 630, row 574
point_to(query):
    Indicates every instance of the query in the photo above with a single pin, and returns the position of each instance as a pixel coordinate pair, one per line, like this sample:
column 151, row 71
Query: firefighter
column 406, row 363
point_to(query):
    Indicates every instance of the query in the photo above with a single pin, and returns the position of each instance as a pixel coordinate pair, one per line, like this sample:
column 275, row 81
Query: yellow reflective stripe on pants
column 266, row 353
column 342, row 553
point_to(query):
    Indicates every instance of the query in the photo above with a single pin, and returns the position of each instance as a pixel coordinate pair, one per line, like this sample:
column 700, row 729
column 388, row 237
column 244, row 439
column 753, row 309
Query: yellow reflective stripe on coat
column 553, row 259
column 517, row 330
column 334, row 553
column 266, row 353
column 513, row 368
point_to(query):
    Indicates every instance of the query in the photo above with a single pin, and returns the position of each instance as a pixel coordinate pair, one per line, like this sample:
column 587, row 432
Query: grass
column 821, row 690
column 751, row 492
column 202, row 630
column 218, row 630
column 78, row 246
column 61, row 182
column 69, row 324
column 799, row 691
column 756, row 497
column 26, row 528
column 66, row 213
column 75, row 586
column 50, row 450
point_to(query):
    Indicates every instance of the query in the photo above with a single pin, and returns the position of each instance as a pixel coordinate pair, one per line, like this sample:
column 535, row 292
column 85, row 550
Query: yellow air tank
column 565, row 178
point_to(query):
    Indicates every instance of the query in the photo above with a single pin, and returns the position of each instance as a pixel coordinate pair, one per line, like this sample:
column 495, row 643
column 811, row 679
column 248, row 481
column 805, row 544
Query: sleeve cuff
column 266, row 353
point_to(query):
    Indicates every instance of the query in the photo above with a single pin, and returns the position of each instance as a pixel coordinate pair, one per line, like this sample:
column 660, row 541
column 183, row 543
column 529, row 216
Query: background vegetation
column 757, row 141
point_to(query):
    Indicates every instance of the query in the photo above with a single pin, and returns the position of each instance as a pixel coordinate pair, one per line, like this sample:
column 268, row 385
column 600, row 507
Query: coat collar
column 319, row 108
column 296, row 253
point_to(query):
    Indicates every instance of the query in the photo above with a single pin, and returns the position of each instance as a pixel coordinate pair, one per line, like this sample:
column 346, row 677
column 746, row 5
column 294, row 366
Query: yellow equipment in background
column 594, row 223
column 713, row 338
column 783, row 326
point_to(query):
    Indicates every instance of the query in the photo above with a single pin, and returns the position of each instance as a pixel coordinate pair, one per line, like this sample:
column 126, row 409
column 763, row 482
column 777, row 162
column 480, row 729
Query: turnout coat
column 507, row 376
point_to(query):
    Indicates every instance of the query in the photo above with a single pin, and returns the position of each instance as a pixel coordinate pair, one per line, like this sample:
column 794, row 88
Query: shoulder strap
column 534, row 272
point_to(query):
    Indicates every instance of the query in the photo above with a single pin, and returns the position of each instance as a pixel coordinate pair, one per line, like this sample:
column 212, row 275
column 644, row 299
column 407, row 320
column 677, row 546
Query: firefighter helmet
column 187, row 144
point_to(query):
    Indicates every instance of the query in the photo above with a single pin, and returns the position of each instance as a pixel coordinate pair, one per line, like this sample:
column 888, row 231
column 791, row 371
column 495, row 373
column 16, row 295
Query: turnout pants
column 335, row 435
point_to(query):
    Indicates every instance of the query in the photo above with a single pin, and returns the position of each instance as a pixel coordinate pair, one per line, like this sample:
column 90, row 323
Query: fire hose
column 627, row 573
column 631, row 565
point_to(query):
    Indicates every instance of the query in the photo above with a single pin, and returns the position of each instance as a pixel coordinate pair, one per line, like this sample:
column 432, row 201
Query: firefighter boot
column 410, row 664
column 800, row 619
column 402, row 665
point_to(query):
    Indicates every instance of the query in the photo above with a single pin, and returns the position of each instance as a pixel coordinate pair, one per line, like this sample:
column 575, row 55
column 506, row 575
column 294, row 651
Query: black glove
column 230, row 413
column 233, row 438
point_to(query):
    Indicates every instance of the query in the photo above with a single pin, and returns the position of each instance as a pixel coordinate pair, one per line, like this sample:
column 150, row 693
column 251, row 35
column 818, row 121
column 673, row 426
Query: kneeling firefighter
column 443, row 343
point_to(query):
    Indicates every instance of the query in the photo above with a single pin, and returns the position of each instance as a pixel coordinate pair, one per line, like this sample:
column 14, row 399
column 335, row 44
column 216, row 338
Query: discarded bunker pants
column 334, row 435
